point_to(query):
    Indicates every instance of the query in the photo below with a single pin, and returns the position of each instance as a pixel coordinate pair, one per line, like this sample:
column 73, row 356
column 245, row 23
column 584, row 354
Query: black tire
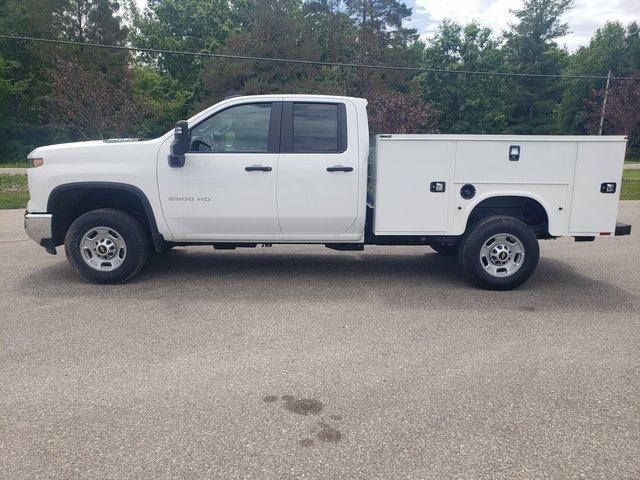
column 482, row 232
column 445, row 249
column 128, row 229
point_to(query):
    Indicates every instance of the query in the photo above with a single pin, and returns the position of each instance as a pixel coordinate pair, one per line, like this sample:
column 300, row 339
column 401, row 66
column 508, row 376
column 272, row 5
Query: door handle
column 339, row 168
column 257, row 168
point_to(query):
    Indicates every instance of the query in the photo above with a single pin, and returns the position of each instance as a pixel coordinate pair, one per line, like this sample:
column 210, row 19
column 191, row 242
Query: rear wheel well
column 525, row 209
column 68, row 202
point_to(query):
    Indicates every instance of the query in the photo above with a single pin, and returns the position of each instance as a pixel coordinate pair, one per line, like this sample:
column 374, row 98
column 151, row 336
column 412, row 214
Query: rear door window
column 315, row 128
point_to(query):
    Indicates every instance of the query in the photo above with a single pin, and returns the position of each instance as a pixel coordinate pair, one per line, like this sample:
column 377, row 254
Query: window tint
column 244, row 128
column 315, row 127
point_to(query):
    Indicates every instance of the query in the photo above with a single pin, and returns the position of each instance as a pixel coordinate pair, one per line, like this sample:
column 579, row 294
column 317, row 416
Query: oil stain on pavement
column 325, row 432
column 302, row 406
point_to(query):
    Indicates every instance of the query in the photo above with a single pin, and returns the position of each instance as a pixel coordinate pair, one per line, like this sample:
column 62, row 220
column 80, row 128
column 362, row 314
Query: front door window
column 239, row 129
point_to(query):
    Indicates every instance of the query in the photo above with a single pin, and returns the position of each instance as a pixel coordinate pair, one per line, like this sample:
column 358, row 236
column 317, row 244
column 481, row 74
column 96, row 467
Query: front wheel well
column 68, row 202
column 525, row 209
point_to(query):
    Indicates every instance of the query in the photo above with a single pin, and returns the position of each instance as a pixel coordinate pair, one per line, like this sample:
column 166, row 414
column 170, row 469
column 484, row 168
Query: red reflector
column 605, row 233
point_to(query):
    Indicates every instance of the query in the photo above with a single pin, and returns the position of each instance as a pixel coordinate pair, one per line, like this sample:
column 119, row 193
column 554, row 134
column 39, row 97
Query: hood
column 111, row 151
column 71, row 146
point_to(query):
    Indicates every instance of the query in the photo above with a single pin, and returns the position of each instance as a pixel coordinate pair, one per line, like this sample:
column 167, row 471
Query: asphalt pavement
column 302, row 362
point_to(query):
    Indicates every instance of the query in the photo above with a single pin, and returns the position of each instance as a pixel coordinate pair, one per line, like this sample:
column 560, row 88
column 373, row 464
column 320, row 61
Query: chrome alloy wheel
column 502, row 255
column 103, row 249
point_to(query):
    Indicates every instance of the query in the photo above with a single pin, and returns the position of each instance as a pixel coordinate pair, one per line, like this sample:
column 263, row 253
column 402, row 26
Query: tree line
column 61, row 92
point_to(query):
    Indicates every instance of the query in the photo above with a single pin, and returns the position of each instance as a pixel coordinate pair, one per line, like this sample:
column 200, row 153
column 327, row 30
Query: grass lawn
column 21, row 164
column 630, row 185
column 13, row 191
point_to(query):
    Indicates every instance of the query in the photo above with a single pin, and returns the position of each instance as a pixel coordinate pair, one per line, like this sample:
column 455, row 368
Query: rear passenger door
column 317, row 191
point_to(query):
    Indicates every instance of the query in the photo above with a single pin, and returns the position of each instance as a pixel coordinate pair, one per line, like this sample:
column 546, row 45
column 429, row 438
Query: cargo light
column 35, row 162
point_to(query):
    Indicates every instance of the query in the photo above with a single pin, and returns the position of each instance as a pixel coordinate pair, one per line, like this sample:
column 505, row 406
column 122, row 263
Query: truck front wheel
column 499, row 253
column 106, row 246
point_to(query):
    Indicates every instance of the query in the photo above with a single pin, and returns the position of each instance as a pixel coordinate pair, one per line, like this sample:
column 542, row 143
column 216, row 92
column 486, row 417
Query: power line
column 307, row 62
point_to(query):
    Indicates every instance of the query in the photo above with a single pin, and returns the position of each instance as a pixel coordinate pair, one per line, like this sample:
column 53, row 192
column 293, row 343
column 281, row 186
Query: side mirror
column 180, row 144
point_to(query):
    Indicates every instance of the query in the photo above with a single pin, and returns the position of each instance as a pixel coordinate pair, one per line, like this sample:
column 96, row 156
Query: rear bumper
column 622, row 229
column 38, row 227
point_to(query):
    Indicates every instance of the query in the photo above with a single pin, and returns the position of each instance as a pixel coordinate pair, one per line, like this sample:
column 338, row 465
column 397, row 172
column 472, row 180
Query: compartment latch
column 608, row 187
column 514, row 153
column 438, row 187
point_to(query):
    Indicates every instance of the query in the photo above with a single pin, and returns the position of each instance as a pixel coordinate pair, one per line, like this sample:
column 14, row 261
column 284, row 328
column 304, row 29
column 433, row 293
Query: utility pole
column 604, row 102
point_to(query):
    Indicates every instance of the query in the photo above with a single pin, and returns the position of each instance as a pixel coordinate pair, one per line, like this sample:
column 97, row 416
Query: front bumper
column 38, row 227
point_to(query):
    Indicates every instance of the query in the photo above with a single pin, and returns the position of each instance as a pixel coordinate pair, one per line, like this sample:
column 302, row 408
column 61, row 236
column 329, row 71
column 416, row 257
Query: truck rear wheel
column 106, row 246
column 499, row 253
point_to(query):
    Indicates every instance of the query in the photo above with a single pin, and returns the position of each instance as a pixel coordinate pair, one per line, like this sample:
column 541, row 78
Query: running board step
column 233, row 246
column 345, row 247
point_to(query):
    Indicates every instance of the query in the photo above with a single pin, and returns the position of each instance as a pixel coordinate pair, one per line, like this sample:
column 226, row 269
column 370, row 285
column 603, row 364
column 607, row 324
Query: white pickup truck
column 301, row 169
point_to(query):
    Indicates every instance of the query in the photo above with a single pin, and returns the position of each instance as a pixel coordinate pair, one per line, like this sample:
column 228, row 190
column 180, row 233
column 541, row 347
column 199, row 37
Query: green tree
column 278, row 29
column 43, row 84
column 91, row 88
column 95, row 21
column 162, row 99
column 191, row 25
column 531, row 49
column 32, row 69
column 11, row 89
column 633, row 44
column 23, row 73
column 607, row 50
column 88, row 105
column 335, row 30
column 382, row 38
column 467, row 103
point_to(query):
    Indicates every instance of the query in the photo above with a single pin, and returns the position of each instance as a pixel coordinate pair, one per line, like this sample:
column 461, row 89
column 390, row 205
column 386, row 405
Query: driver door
column 229, row 177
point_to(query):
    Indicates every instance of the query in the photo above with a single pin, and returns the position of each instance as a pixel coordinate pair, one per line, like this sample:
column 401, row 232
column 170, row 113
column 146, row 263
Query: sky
column 584, row 18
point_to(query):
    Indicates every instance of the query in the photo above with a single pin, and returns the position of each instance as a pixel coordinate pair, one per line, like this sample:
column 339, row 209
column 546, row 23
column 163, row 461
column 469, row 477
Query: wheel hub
column 103, row 248
column 502, row 255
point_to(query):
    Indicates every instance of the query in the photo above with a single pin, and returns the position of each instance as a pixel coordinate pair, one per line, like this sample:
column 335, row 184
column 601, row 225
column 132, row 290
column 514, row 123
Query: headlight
column 35, row 162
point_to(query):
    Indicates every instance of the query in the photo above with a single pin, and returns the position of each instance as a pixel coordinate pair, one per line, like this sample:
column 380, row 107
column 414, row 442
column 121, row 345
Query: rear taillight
column 36, row 162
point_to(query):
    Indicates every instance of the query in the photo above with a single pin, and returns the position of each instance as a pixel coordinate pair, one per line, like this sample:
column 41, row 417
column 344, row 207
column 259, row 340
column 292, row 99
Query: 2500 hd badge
column 189, row 199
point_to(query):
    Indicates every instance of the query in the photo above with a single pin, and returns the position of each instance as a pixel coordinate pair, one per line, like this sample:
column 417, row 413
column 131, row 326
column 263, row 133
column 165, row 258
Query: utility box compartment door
column 414, row 184
column 488, row 161
column 592, row 210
